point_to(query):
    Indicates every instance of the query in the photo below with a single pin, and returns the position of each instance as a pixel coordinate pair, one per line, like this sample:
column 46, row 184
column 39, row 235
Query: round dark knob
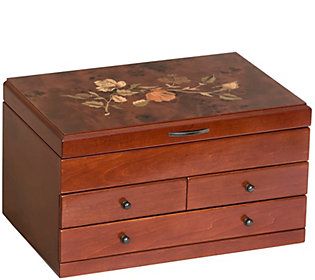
column 125, row 204
column 248, row 221
column 249, row 187
column 125, row 239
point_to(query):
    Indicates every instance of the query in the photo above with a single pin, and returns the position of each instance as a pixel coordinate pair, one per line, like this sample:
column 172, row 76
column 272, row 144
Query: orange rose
column 159, row 95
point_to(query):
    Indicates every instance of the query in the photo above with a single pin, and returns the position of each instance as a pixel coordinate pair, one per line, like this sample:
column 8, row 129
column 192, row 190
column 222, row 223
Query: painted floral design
column 109, row 85
column 110, row 93
column 159, row 95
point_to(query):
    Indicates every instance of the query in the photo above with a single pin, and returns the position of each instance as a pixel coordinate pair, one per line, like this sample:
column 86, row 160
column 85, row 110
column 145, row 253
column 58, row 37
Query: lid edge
column 48, row 132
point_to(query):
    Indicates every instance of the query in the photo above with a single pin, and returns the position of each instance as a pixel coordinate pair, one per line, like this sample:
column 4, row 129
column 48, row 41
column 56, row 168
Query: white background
column 48, row 36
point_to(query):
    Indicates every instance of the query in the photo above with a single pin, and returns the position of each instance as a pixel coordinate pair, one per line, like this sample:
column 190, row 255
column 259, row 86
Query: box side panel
column 31, row 183
column 34, row 118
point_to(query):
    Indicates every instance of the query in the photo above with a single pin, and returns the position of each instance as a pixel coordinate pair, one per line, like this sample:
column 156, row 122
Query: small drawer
column 182, row 228
column 123, row 203
column 248, row 185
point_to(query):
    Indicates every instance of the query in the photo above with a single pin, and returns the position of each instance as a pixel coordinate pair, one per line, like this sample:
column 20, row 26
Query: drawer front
column 249, row 185
column 181, row 160
column 182, row 228
column 123, row 203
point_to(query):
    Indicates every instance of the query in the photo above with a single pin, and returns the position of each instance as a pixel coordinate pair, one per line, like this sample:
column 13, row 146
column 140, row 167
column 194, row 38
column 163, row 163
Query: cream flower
column 231, row 85
column 108, row 85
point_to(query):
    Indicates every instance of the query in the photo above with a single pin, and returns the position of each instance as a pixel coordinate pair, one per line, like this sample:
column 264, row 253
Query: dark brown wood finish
column 105, row 141
column 258, row 91
column 73, row 129
column 27, row 112
column 31, row 185
column 182, row 252
column 158, row 134
column 79, row 144
column 106, row 205
column 229, row 188
column 183, row 228
column 183, row 160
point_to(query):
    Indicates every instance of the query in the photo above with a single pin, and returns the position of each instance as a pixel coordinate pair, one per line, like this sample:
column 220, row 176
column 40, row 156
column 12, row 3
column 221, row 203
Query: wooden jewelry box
column 146, row 163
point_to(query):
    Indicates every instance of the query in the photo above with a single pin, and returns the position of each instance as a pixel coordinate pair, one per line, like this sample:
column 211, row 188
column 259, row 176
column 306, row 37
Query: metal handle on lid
column 188, row 133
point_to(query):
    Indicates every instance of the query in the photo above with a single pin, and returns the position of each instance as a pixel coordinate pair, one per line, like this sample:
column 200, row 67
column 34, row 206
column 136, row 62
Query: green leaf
column 206, row 94
column 208, row 79
column 94, row 104
column 126, row 92
column 229, row 97
column 116, row 107
column 140, row 102
column 73, row 96
column 83, row 95
column 119, row 99
column 93, row 93
column 148, row 87
column 133, row 86
column 99, row 98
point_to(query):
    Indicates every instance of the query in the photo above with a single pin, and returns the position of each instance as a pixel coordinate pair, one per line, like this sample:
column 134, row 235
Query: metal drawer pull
column 249, row 187
column 125, row 204
column 188, row 133
column 125, row 239
column 248, row 221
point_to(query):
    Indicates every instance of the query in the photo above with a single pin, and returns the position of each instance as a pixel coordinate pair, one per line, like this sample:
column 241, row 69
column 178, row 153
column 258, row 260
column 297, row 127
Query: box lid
column 108, row 109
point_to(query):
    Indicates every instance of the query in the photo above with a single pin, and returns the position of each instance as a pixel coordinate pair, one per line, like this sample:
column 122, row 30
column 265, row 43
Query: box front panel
column 184, row 228
column 184, row 160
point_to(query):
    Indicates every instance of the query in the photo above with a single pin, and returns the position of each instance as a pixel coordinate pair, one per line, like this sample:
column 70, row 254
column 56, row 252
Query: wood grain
column 89, row 143
column 183, row 160
column 67, row 166
column 183, row 228
column 229, row 188
column 26, row 111
column 105, row 205
column 182, row 252
column 158, row 134
column 256, row 89
column 72, row 129
column 31, row 182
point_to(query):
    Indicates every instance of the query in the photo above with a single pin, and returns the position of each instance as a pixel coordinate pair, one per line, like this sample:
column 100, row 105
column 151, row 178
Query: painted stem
column 106, row 107
column 190, row 91
column 196, row 87
column 148, row 87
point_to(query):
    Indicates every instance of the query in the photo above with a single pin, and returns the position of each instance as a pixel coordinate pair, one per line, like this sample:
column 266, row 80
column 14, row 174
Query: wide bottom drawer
column 176, row 253
column 183, row 228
